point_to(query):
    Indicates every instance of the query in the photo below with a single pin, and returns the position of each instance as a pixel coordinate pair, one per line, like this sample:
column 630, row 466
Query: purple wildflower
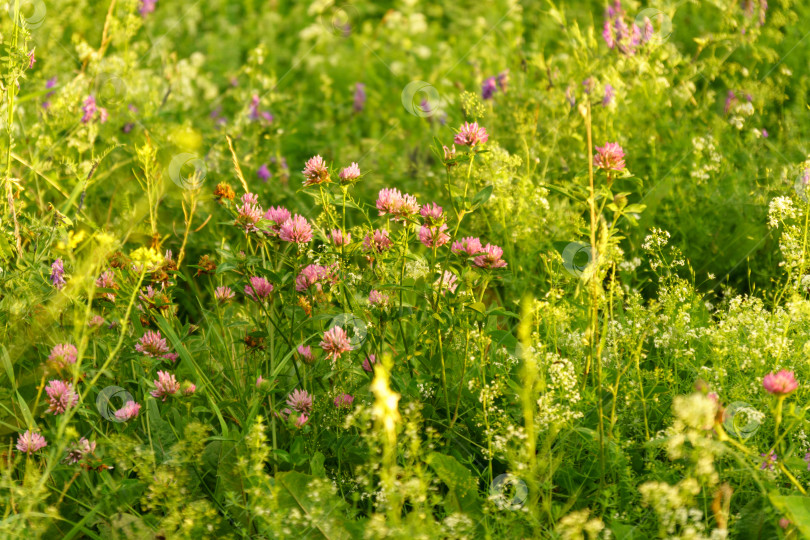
column 770, row 460
column 359, row 97
column 371, row 360
column 609, row 93
column 264, row 173
column 147, row 7
column 489, row 87
column 58, row 274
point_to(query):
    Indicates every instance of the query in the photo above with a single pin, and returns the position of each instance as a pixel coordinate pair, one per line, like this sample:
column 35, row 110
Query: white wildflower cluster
column 426, row 390
column 503, row 360
column 630, row 266
column 707, row 159
column 458, row 525
column 739, row 111
column 675, row 332
column 517, row 201
column 695, row 411
column 780, row 210
column 578, row 525
column 685, row 90
column 573, row 343
column 416, row 269
column 673, row 505
column 748, row 336
column 513, row 437
column 656, row 240
column 556, row 405
column 715, row 376
column 689, row 436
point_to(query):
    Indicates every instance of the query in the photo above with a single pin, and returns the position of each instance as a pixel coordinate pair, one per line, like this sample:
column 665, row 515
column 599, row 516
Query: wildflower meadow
column 405, row 269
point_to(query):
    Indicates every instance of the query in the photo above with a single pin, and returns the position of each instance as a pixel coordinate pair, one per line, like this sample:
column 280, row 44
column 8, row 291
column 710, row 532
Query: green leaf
column 635, row 208
column 753, row 523
column 623, row 531
column 462, row 495
column 480, row 307
column 482, row 196
column 26, row 412
column 316, row 465
column 797, row 509
column 565, row 192
column 326, row 515
column 7, row 365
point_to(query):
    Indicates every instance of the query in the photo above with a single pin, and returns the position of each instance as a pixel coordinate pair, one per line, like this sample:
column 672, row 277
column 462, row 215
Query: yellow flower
column 73, row 240
column 385, row 406
column 148, row 256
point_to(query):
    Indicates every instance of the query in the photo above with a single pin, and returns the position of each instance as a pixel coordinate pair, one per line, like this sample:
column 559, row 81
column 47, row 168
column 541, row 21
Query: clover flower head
column 447, row 283
column 63, row 355
column 432, row 237
column 343, row 400
column 305, row 351
column 296, row 230
column 609, row 157
column 468, row 246
column 490, row 258
column 165, row 385
column 129, row 411
column 79, row 450
column 224, row 294
column 377, row 241
column 369, row 362
column 277, row 215
column 432, row 214
column 471, row 134
column 780, row 384
column 350, row 173
column 313, row 274
column 339, row 238
column 335, row 342
column 300, row 400
column 30, row 442
column 258, row 289
column 152, row 344
column 378, row 299
column 315, row 171
column 61, row 396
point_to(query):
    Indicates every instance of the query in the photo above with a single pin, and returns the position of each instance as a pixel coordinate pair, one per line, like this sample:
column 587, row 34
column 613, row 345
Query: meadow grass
column 403, row 269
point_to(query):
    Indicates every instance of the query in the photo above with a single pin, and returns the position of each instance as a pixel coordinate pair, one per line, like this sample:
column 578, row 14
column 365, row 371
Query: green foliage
column 174, row 289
